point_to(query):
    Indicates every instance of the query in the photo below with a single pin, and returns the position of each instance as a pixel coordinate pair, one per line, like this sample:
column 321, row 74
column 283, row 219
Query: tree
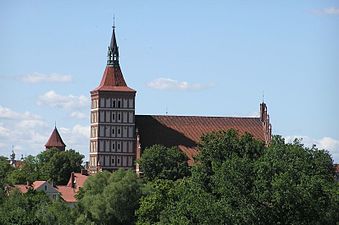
column 154, row 201
column 159, row 162
column 243, row 182
column 58, row 165
column 21, row 208
column 5, row 169
column 55, row 213
column 52, row 164
column 218, row 147
column 110, row 198
column 189, row 203
column 295, row 185
column 28, row 172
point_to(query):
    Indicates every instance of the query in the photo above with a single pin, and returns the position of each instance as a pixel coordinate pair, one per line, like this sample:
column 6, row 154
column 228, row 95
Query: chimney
column 72, row 180
column 84, row 172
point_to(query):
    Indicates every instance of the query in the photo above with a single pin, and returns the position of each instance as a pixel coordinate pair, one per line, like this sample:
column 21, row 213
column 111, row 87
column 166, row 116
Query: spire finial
column 263, row 96
column 54, row 123
column 113, row 22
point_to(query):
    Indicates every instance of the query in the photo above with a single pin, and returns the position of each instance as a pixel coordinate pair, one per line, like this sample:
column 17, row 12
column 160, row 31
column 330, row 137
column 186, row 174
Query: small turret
column 12, row 158
column 55, row 141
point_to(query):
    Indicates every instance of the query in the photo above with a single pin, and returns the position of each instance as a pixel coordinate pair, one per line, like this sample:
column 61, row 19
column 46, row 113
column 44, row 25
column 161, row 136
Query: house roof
column 67, row 193
column 23, row 188
column 55, row 140
column 79, row 180
column 113, row 80
column 186, row 131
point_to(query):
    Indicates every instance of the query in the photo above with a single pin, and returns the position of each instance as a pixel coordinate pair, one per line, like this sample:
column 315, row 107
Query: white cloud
column 28, row 133
column 7, row 113
column 76, row 137
column 51, row 98
column 327, row 11
column 170, row 84
column 21, row 129
column 326, row 143
column 78, row 115
column 50, row 78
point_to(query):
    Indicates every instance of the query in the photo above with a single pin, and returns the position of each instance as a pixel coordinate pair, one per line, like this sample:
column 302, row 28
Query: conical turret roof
column 55, row 140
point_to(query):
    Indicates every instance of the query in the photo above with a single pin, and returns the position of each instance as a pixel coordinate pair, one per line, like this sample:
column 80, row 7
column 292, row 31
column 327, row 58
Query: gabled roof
column 79, row 180
column 55, row 140
column 67, row 193
column 186, row 131
column 23, row 188
column 113, row 80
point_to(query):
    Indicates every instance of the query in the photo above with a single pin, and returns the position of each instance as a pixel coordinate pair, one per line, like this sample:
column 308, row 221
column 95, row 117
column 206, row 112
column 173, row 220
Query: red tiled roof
column 23, row 188
column 113, row 80
column 38, row 183
column 79, row 180
column 186, row 131
column 67, row 193
column 55, row 140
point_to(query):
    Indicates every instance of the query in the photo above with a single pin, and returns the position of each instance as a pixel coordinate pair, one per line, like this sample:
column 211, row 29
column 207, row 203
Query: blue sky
column 184, row 57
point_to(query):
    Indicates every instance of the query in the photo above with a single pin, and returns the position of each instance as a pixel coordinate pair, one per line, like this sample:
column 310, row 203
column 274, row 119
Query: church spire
column 113, row 52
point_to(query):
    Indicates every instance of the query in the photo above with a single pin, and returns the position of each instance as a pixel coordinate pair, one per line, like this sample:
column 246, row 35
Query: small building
column 75, row 183
column 40, row 185
column 14, row 162
column 55, row 141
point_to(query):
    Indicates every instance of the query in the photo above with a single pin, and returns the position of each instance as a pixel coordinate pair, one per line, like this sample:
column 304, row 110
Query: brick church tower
column 113, row 139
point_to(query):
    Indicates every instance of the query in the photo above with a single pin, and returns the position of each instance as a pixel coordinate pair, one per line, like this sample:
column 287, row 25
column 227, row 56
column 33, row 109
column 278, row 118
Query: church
column 118, row 136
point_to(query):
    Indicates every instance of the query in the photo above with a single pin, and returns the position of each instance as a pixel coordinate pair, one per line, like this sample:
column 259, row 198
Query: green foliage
column 52, row 164
column 240, row 181
column 55, row 213
column 5, row 169
column 21, row 208
column 217, row 147
column 58, row 165
column 154, row 201
column 110, row 198
column 159, row 162
column 29, row 172
column 189, row 203
column 295, row 185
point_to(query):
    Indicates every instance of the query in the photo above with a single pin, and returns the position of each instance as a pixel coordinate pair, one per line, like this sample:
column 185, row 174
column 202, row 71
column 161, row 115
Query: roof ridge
column 231, row 117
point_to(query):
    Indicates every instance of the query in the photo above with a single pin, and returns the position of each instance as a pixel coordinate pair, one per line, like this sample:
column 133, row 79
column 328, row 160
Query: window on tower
column 119, row 103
